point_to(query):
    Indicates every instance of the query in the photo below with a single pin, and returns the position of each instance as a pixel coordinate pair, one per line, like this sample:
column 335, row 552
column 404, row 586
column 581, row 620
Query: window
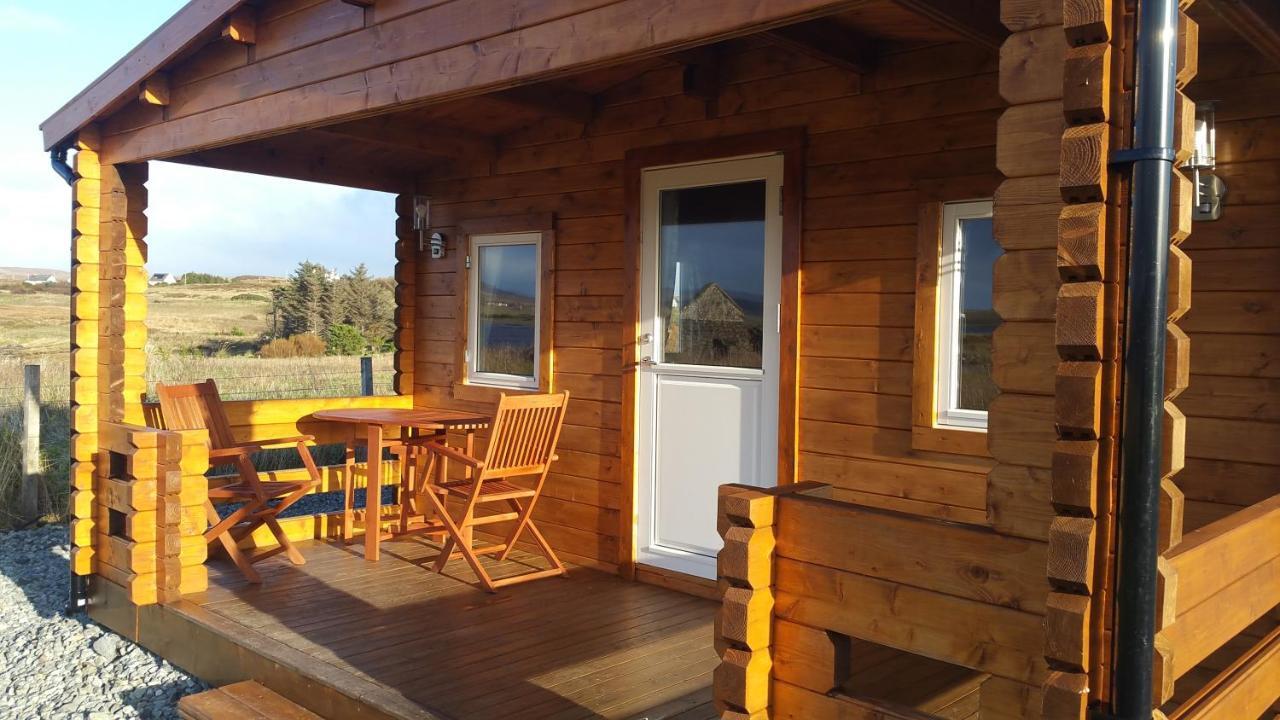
column 955, row 319
column 504, row 301
column 966, row 318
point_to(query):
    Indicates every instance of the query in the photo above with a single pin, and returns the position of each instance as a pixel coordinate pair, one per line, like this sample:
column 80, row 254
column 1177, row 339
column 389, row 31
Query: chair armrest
column 453, row 454
column 232, row 453
column 277, row 442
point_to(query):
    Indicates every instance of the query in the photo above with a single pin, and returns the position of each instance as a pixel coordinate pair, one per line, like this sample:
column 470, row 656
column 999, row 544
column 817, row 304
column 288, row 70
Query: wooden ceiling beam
column 550, row 98
column 977, row 21
column 1257, row 21
column 443, row 142
column 826, row 41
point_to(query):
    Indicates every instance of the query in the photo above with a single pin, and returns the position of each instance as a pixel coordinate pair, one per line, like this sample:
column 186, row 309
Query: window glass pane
column 711, row 257
column 978, row 319
column 506, row 309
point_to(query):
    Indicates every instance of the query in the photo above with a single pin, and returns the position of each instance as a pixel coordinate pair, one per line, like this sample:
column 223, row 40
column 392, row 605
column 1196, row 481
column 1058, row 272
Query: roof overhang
column 120, row 82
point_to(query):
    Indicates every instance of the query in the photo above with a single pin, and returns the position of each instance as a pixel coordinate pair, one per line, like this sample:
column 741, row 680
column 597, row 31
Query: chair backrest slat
column 525, row 431
column 197, row 406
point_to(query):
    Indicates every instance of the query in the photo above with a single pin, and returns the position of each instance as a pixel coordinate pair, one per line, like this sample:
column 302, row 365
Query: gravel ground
column 69, row 668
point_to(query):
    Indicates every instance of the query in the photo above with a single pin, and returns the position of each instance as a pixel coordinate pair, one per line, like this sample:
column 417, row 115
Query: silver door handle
column 647, row 361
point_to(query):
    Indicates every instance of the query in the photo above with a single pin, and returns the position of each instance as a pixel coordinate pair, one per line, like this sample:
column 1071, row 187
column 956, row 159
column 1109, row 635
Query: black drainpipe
column 1152, row 158
column 58, row 158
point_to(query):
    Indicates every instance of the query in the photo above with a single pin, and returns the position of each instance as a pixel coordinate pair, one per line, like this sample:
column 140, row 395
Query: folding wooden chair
column 522, row 444
column 199, row 407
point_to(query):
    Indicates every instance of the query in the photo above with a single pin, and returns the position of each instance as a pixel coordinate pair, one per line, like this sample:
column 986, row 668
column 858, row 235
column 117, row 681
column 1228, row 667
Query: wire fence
column 238, row 378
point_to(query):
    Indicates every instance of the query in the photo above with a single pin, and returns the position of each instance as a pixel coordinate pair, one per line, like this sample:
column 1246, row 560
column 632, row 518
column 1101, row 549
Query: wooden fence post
column 366, row 376
column 29, row 493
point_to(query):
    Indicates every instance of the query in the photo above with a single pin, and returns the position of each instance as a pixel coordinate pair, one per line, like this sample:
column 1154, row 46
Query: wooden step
column 241, row 701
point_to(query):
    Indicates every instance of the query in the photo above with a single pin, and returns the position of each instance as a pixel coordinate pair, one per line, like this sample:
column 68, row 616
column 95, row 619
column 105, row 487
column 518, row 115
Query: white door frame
column 764, row 166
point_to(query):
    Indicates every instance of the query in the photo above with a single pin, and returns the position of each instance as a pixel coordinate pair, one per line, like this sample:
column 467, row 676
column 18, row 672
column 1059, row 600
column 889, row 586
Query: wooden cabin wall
column 922, row 125
column 1233, row 402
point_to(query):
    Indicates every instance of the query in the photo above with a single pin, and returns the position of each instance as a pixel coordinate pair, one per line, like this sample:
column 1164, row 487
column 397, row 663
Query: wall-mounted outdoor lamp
column 1209, row 188
column 423, row 223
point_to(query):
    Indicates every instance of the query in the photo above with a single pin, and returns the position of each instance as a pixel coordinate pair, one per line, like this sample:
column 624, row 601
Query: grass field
column 195, row 332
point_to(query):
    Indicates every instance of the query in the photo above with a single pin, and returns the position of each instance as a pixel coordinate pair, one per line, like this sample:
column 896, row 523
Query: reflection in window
column 504, row 309
column 967, row 317
column 711, row 258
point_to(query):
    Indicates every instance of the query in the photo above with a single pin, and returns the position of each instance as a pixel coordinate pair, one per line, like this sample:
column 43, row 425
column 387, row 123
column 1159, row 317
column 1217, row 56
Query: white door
column 709, row 316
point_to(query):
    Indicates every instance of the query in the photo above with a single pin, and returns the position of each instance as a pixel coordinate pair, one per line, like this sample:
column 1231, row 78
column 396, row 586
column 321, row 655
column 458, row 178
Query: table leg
column 373, row 495
column 348, row 488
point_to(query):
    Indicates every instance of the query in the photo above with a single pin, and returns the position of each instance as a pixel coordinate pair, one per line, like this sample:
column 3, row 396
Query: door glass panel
column 711, row 248
column 978, row 318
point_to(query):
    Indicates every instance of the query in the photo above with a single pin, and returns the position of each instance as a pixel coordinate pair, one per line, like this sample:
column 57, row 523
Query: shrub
column 345, row 340
column 279, row 348
column 236, row 332
column 308, row 345
column 198, row 278
column 249, row 297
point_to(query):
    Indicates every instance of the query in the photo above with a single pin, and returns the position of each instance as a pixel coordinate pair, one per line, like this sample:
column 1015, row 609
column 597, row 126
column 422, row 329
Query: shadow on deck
column 392, row 639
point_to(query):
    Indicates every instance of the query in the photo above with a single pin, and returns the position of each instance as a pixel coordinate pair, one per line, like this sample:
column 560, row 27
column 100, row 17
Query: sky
column 198, row 219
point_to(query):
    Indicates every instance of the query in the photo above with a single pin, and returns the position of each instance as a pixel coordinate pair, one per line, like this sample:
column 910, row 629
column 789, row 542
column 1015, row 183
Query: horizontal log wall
column 922, row 125
column 1232, row 403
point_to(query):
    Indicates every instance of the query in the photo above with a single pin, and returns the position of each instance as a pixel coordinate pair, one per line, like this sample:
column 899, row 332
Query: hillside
column 179, row 317
column 21, row 273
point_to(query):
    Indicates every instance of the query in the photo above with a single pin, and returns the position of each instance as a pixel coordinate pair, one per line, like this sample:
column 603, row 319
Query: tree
column 367, row 304
column 306, row 304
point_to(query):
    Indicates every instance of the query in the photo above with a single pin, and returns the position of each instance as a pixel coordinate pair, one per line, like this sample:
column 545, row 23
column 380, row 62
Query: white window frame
column 474, row 375
column 950, row 273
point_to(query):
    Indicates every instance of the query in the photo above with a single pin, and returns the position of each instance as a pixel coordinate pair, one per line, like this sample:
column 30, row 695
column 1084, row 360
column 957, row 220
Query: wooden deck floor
column 588, row 646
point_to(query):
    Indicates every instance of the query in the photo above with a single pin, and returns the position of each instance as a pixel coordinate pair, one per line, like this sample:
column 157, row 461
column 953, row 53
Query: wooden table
column 437, row 422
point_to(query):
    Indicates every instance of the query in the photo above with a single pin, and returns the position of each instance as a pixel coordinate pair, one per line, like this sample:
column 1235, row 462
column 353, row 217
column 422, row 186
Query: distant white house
column 332, row 274
column 163, row 279
column 40, row 279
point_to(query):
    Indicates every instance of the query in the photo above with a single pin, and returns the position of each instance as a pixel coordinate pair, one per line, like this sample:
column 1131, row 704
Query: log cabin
column 979, row 451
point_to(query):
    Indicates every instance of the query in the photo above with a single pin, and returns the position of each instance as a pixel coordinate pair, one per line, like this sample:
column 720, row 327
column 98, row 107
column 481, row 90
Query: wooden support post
column 86, row 201
column 28, row 509
column 122, row 300
column 744, row 627
column 406, row 274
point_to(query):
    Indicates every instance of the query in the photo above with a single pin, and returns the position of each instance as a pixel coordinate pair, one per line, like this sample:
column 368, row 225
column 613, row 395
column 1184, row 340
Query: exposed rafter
column 155, row 90
column 438, row 141
column 975, row 20
column 241, row 26
column 550, row 98
column 1257, row 21
column 829, row 42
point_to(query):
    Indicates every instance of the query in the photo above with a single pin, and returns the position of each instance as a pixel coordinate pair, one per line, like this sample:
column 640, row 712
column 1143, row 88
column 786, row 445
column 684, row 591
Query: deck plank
column 587, row 646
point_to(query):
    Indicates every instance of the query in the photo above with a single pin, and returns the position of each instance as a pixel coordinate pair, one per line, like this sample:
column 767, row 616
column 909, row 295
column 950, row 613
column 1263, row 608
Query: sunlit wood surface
column 587, row 646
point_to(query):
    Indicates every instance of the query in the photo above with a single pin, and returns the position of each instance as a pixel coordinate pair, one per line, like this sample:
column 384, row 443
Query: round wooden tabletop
column 418, row 418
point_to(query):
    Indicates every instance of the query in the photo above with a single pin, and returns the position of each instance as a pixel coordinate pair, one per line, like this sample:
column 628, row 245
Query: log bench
column 241, row 701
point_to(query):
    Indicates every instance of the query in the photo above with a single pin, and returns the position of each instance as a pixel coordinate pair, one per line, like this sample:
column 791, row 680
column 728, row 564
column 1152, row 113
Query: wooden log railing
column 1216, row 583
column 149, row 514
column 808, row 583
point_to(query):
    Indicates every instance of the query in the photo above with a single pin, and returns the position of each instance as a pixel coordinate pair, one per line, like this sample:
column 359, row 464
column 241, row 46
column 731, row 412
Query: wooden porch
column 347, row 638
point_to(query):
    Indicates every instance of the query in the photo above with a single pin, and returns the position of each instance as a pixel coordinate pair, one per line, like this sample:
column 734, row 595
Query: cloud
column 20, row 19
